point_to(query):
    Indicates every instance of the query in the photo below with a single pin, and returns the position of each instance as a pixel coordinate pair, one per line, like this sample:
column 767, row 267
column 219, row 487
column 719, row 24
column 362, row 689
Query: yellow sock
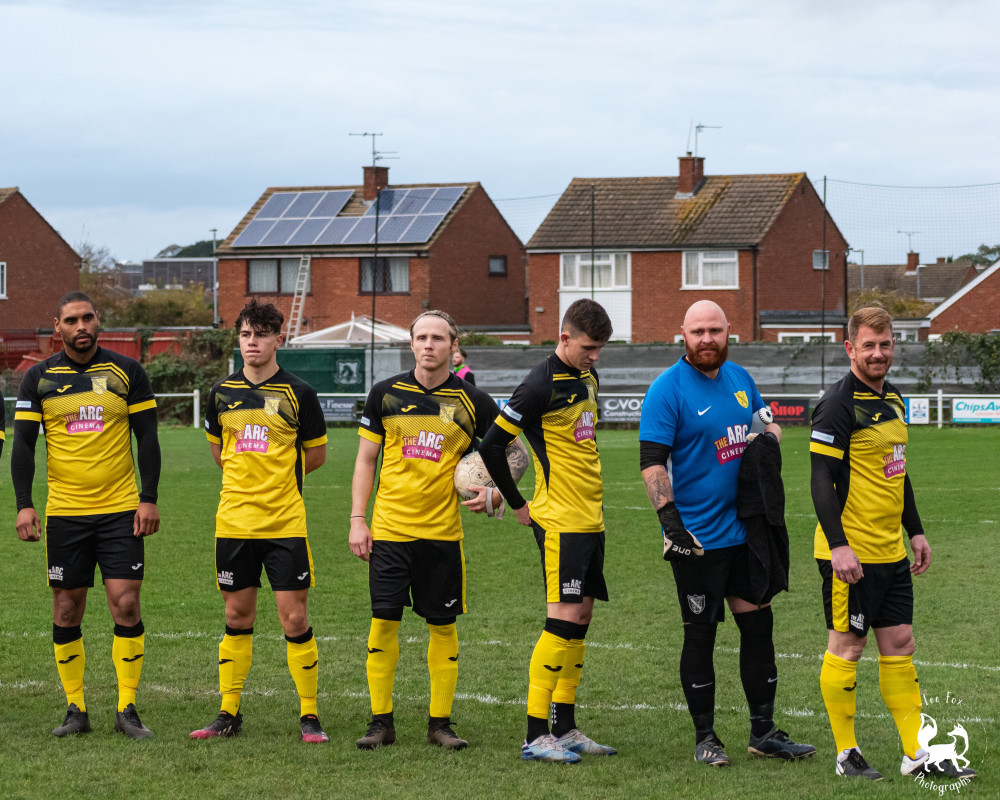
column 235, row 657
column 127, row 654
column 442, row 664
column 383, row 655
column 303, row 663
column 569, row 677
column 70, row 660
column 547, row 662
column 838, row 681
column 897, row 678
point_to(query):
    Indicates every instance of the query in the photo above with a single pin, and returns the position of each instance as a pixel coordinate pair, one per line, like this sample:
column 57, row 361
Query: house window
column 391, row 275
column 605, row 271
column 821, row 259
column 711, row 269
column 802, row 338
column 3, row 280
column 275, row 276
column 498, row 265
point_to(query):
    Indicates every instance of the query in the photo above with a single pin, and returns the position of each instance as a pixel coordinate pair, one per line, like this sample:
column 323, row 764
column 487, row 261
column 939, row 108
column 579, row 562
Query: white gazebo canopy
column 356, row 332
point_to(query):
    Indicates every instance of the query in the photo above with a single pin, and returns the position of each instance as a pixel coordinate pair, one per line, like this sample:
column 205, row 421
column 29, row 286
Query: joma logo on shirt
column 584, row 428
column 895, row 463
column 252, row 439
column 90, row 419
column 427, row 445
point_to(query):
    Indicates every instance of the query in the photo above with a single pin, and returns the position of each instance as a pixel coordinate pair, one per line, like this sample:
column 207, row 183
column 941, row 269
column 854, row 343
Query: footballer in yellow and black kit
column 858, row 444
column 423, row 434
column 262, row 431
column 88, row 412
column 556, row 409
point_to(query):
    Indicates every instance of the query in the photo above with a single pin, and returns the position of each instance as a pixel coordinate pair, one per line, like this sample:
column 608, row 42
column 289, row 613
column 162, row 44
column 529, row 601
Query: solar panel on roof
column 310, row 218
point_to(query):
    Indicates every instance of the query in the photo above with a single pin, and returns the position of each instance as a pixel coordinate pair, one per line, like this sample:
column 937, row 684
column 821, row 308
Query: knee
column 295, row 622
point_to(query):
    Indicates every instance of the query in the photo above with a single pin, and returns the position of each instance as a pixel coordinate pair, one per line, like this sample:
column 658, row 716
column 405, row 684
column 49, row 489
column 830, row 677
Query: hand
column 29, row 527
column 360, row 539
column 845, row 564
column 477, row 505
column 921, row 554
column 146, row 521
column 523, row 514
column 678, row 542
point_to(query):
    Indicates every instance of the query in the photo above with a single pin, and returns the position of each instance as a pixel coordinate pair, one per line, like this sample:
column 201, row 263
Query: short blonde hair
column 452, row 327
column 874, row 317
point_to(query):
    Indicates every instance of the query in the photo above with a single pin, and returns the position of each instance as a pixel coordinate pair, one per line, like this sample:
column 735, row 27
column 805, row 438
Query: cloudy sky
column 135, row 124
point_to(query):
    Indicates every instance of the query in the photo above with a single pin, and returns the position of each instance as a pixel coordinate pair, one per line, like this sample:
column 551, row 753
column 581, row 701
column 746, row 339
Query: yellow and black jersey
column 263, row 430
column 556, row 408
column 423, row 433
column 858, row 441
column 88, row 413
column 3, row 422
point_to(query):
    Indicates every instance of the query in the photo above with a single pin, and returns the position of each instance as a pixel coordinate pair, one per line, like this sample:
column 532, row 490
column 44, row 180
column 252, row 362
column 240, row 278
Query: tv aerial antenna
column 697, row 129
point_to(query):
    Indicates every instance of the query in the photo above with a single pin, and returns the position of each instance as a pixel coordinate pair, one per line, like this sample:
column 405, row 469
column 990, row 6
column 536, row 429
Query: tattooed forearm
column 658, row 486
column 517, row 459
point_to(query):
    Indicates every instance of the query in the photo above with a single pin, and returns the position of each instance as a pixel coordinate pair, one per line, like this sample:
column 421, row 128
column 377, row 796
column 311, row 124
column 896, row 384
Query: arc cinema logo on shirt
column 584, row 428
column 427, row 445
column 732, row 444
column 253, row 439
column 895, row 463
column 90, row 419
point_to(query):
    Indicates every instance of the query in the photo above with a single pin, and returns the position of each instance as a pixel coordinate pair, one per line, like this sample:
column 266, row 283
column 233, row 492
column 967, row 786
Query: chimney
column 376, row 179
column 912, row 261
column 692, row 174
column 941, row 260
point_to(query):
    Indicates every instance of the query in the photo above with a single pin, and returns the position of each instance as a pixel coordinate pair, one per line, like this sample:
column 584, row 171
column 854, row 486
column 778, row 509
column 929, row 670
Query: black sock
column 536, row 727
column 563, row 718
column 698, row 677
column 758, row 671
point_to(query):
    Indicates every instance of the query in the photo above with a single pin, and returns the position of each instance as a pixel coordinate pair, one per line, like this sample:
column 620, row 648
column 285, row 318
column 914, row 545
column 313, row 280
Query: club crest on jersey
column 100, row 385
column 271, row 405
column 696, row 602
column 742, row 399
column 427, row 445
column 446, row 414
column 590, row 394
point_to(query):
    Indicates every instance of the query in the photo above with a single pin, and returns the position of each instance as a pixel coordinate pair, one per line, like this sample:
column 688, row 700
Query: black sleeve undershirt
column 143, row 424
column 493, row 450
column 22, row 461
column 653, row 454
column 825, row 500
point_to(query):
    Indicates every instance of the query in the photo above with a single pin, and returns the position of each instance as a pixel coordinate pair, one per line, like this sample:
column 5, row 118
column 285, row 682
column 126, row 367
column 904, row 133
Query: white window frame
column 575, row 270
column 695, row 262
column 821, row 260
column 3, row 280
column 734, row 338
column 500, row 264
column 399, row 274
column 787, row 337
column 281, row 266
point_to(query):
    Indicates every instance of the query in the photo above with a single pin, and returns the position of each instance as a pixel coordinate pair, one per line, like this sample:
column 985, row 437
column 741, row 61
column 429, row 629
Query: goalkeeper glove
column 678, row 543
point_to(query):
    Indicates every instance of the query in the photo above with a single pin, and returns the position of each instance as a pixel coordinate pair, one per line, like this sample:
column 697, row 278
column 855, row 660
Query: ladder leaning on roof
column 298, row 300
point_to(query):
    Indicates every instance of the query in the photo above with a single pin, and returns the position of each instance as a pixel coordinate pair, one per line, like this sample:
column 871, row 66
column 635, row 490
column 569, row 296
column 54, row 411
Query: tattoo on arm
column 517, row 459
column 658, row 487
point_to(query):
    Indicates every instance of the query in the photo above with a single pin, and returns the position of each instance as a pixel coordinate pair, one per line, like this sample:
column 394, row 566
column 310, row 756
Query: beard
column 71, row 343
column 707, row 359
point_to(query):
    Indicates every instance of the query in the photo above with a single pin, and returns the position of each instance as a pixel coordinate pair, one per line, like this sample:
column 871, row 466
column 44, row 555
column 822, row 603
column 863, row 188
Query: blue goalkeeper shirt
column 705, row 423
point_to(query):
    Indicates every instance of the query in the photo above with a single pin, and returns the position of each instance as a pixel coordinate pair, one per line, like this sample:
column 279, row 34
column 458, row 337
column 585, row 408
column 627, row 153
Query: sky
column 134, row 125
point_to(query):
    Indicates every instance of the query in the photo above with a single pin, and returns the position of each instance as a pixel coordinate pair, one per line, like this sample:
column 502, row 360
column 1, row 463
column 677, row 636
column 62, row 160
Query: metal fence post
column 196, row 395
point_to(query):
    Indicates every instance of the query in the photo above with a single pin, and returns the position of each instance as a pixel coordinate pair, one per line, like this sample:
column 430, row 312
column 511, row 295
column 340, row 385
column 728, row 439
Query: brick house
column 975, row 308
column 752, row 243
column 440, row 246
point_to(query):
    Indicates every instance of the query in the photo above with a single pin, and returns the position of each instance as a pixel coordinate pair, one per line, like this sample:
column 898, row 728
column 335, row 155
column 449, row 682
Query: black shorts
column 432, row 571
column 74, row 545
column 704, row 583
column 881, row 599
column 288, row 562
column 572, row 565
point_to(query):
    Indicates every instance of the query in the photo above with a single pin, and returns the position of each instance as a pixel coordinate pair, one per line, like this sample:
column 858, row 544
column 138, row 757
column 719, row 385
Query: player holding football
column 556, row 407
column 422, row 422
column 90, row 401
column 863, row 499
column 266, row 430
column 692, row 434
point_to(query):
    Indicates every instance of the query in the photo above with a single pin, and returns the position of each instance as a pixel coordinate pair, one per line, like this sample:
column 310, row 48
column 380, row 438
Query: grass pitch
column 630, row 694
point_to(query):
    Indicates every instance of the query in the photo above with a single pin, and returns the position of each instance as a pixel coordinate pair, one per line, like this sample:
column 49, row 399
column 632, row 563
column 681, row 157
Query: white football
column 471, row 471
column 765, row 415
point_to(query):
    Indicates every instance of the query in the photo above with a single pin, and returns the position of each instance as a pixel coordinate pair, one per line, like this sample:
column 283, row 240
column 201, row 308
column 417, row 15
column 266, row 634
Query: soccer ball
column 471, row 471
column 765, row 415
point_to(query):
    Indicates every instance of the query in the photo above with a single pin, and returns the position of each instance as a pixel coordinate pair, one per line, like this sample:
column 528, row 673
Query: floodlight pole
column 825, row 264
column 215, row 281
column 593, row 253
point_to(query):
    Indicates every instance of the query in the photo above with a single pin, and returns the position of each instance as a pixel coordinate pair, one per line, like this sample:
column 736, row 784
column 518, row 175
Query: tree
column 898, row 305
column 984, row 256
column 202, row 249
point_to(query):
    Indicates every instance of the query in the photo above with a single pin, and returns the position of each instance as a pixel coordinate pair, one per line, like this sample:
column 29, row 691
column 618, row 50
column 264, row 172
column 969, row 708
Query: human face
column 258, row 348
column 871, row 355
column 706, row 338
column 456, row 359
column 431, row 343
column 77, row 325
column 579, row 351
